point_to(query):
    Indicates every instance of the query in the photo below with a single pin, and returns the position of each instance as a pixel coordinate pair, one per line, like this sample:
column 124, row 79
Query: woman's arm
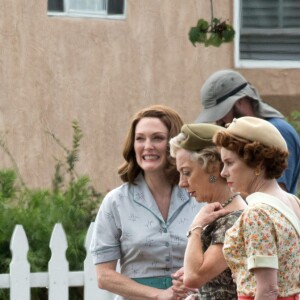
column 267, row 285
column 199, row 267
column 110, row 280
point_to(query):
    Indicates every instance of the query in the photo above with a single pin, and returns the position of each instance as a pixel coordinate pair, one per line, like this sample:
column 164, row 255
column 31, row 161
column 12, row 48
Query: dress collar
column 277, row 204
column 143, row 196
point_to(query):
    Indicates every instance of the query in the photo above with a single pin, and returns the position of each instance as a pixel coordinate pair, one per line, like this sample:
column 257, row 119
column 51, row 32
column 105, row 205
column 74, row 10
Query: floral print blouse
column 267, row 234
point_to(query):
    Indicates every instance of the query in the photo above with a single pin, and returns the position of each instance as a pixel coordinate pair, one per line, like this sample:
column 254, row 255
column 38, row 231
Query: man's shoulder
column 278, row 122
column 284, row 127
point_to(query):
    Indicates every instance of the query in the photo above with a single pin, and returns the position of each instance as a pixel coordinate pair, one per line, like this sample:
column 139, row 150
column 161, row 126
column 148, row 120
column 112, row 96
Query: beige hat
column 198, row 136
column 223, row 89
column 256, row 129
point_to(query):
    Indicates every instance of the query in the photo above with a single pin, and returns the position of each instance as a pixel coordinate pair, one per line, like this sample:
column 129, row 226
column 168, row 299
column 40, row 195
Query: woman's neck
column 157, row 181
column 229, row 199
column 161, row 190
column 221, row 193
column 268, row 186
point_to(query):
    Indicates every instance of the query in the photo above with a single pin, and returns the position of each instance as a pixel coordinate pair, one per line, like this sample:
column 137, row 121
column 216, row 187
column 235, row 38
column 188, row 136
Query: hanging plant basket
column 212, row 33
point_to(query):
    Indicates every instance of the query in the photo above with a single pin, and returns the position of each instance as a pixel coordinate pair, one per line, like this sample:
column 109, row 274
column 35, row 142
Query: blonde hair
column 207, row 157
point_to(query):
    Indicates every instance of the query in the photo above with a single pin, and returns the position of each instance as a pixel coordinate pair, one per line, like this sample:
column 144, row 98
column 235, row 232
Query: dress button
column 167, row 244
column 165, row 230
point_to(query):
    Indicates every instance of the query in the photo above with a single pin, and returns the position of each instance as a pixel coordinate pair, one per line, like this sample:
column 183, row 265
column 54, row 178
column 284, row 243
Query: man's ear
column 240, row 102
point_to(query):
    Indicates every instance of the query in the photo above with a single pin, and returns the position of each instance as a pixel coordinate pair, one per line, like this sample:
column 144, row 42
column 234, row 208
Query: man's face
column 235, row 112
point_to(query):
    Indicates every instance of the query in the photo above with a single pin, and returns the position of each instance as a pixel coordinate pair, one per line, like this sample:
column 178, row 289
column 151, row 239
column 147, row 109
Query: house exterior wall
column 100, row 72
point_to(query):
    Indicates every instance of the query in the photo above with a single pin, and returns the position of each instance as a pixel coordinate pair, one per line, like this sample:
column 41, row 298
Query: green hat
column 199, row 136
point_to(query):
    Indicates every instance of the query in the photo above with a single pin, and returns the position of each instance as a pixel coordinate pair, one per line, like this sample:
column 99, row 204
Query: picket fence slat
column 58, row 279
column 58, row 266
column 92, row 291
column 19, row 266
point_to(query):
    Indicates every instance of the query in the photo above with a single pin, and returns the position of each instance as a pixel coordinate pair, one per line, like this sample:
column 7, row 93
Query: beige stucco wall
column 99, row 72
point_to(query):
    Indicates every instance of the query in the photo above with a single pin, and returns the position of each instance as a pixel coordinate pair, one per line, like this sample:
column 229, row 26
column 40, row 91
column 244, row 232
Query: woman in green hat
column 199, row 164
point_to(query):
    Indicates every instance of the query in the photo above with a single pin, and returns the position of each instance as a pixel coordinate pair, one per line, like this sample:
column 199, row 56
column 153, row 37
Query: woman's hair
column 255, row 154
column 207, row 158
column 171, row 119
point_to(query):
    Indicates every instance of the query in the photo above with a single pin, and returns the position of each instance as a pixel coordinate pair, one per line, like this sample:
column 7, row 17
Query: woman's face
column 150, row 144
column 192, row 177
column 239, row 176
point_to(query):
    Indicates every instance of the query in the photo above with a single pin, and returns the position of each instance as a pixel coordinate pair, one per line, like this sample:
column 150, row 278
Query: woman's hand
column 208, row 214
column 178, row 287
column 169, row 294
column 178, row 275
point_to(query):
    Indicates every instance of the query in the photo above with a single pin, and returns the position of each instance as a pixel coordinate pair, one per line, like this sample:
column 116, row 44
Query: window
column 89, row 8
column 267, row 33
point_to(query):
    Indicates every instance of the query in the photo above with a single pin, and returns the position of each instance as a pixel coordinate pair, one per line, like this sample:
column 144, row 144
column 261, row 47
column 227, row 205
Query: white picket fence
column 58, row 279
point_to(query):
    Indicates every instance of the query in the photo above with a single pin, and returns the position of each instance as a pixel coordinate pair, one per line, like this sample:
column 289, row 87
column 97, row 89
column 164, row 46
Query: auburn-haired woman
column 263, row 246
column 143, row 222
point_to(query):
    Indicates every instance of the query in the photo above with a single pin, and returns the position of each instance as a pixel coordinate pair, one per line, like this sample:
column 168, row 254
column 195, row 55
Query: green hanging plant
column 211, row 34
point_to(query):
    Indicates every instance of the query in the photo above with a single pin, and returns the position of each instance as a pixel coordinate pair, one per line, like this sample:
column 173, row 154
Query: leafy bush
column 294, row 120
column 72, row 201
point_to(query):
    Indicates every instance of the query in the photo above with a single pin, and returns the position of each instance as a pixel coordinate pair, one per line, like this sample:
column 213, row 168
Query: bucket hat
column 222, row 90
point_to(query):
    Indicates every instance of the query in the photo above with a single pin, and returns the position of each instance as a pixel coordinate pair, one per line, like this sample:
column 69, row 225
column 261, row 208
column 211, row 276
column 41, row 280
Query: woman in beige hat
column 263, row 246
column 199, row 164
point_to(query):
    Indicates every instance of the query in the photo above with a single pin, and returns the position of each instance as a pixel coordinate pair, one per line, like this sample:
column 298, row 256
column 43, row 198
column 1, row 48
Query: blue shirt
column 130, row 227
column 291, row 174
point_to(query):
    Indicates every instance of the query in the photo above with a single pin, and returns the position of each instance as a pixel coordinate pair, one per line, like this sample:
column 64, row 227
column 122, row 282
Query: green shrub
column 294, row 120
column 72, row 201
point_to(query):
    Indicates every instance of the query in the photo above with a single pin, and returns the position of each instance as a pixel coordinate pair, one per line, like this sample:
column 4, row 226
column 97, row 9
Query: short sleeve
column 259, row 239
column 222, row 225
column 105, row 243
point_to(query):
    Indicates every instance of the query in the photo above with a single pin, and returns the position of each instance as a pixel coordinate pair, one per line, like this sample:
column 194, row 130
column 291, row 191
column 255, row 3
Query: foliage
column 294, row 120
column 73, row 204
column 212, row 33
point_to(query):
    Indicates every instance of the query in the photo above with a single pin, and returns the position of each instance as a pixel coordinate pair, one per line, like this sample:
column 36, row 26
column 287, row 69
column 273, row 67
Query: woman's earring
column 212, row 179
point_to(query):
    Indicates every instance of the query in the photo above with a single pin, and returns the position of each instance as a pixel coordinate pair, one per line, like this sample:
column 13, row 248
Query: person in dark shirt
column 226, row 95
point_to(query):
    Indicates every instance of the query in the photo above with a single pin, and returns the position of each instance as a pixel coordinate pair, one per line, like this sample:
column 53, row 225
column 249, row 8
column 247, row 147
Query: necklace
column 229, row 200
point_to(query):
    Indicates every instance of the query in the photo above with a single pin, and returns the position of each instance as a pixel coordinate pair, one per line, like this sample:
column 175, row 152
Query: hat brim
column 217, row 112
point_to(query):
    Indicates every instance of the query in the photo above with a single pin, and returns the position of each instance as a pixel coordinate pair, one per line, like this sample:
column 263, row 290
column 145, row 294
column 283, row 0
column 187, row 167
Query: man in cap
column 226, row 95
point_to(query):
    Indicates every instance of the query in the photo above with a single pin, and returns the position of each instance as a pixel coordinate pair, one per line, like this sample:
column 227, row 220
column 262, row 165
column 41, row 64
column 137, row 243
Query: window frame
column 93, row 15
column 245, row 63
